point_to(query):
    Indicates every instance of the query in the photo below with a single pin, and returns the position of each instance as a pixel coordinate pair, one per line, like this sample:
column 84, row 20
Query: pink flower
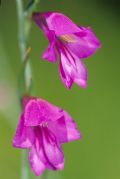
column 70, row 42
column 43, row 128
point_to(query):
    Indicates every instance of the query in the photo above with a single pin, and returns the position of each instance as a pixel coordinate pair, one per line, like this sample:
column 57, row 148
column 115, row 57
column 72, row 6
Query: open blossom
column 43, row 128
column 70, row 43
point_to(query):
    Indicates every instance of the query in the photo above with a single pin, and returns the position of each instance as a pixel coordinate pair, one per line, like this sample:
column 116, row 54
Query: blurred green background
column 96, row 109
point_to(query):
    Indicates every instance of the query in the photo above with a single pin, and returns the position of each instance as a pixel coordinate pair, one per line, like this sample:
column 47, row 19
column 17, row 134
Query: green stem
column 24, row 30
column 25, row 82
column 25, row 75
column 25, row 171
column 21, row 22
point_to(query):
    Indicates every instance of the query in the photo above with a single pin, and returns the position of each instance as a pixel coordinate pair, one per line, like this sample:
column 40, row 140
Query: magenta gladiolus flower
column 70, row 42
column 43, row 128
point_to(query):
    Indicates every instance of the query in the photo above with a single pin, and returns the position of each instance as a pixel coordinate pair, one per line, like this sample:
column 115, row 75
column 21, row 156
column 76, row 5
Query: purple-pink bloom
column 42, row 129
column 70, row 43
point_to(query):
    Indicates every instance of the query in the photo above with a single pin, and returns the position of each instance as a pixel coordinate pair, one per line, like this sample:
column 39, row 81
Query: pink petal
column 33, row 113
column 50, row 111
column 64, row 74
column 38, row 111
column 24, row 136
column 71, row 127
column 80, row 73
column 64, row 128
column 36, row 158
column 55, row 21
column 72, row 70
column 85, row 45
column 52, row 150
column 50, row 52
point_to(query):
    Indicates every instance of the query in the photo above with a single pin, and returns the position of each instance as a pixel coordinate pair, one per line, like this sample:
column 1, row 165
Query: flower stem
column 25, row 75
column 25, row 78
column 25, row 169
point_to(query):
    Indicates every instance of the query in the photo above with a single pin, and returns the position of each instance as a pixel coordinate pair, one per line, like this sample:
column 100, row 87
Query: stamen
column 68, row 38
column 44, row 124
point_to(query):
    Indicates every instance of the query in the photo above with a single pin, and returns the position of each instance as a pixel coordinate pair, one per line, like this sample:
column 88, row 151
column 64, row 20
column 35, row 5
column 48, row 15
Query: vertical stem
column 24, row 25
column 21, row 21
column 25, row 170
column 25, row 75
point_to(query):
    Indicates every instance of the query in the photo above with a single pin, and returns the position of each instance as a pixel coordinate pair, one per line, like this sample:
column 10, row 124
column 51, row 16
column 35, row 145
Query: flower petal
column 80, row 73
column 37, row 165
column 55, row 21
column 24, row 136
column 64, row 74
column 33, row 114
column 64, row 129
column 52, row 150
column 85, row 45
column 36, row 155
column 71, row 127
column 50, row 52
column 72, row 70
column 38, row 111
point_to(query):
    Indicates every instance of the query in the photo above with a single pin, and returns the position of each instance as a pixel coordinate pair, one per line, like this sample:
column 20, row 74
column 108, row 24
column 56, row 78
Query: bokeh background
column 96, row 109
